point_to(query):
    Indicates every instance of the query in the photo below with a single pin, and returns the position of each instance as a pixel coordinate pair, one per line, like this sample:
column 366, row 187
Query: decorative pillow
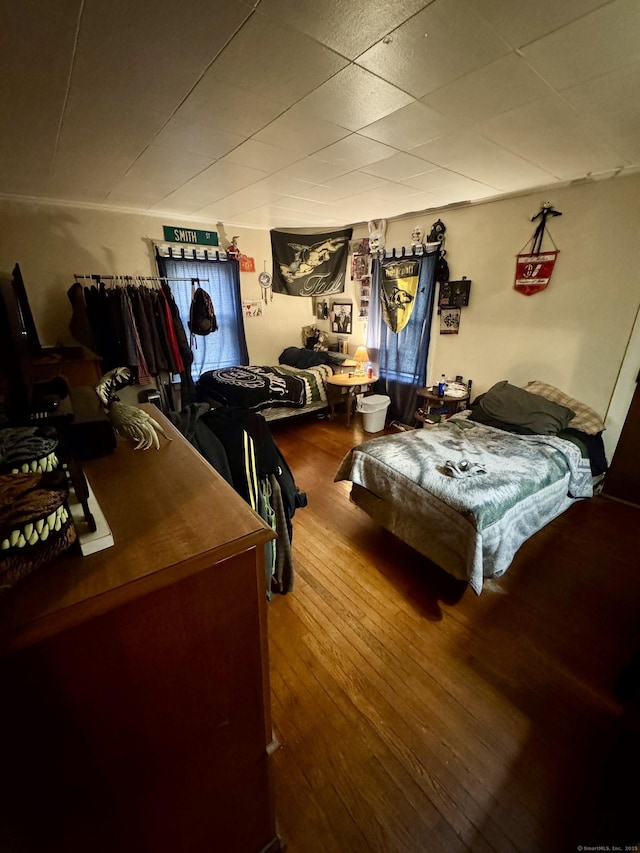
column 584, row 420
column 514, row 405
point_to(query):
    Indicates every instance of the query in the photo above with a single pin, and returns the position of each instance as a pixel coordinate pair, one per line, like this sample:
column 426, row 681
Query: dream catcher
column 265, row 282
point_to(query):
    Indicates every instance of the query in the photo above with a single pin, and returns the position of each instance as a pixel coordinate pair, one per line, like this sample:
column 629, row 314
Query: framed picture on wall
column 342, row 317
column 320, row 308
column 454, row 294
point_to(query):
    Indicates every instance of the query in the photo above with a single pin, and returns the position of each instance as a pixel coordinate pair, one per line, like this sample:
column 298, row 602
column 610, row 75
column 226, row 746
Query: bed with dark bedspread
column 296, row 384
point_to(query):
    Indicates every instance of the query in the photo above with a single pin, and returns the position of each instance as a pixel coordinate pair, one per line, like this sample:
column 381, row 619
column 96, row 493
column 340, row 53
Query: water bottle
column 442, row 386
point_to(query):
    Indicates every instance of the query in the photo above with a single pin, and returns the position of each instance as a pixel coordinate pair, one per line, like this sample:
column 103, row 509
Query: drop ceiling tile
column 488, row 91
column 454, row 148
column 280, row 217
column 281, row 184
column 173, row 203
column 259, row 155
column 219, row 180
column 346, row 212
column 568, row 150
column 197, row 138
column 248, row 198
column 354, row 98
column 260, row 218
column 347, row 28
column 503, row 171
column 23, row 175
column 313, row 171
column 438, row 180
column 393, row 192
column 274, row 60
column 421, row 202
column 37, row 39
column 79, row 169
column 353, row 182
column 303, row 205
column 135, row 201
column 522, row 23
column 480, row 160
column 36, row 45
column 129, row 48
column 107, row 127
column 317, row 192
column 354, row 151
column 376, row 205
column 441, row 43
column 77, row 195
column 410, row 126
column 399, row 167
column 583, row 50
column 219, row 104
column 162, row 169
column 604, row 104
column 607, row 97
column 297, row 130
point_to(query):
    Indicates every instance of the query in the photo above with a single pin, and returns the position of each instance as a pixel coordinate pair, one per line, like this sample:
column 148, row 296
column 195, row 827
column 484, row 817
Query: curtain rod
column 402, row 251
column 183, row 253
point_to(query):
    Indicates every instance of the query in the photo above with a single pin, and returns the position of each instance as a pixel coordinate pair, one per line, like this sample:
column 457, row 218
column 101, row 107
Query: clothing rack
column 132, row 279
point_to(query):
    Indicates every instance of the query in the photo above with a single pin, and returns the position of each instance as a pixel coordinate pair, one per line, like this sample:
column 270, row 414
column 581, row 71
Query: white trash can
column 374, row 411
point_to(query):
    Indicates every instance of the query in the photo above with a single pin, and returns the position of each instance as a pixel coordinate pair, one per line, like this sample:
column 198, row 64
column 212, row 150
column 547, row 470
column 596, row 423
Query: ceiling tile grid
column 269, row 113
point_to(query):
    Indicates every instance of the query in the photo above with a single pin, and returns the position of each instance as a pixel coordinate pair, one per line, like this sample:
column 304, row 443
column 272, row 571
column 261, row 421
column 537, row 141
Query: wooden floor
column 416, row 716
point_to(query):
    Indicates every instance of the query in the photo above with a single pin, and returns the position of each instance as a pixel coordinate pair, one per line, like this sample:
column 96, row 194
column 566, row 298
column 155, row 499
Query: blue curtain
column 221, row 279
column 402, row 357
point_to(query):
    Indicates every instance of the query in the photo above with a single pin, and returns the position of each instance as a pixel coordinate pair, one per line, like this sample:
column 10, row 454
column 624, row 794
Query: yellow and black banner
column 398, row 290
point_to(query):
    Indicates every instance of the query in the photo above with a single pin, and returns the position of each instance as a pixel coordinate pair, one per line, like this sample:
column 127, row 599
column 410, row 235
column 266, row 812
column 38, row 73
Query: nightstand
column 453, row 403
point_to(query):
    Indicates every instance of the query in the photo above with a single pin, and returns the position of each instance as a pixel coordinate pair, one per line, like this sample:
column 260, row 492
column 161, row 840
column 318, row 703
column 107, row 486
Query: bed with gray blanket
column 466, row 494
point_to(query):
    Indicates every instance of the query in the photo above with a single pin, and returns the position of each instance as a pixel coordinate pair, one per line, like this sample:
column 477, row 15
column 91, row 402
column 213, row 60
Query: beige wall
column 52, row 243
column 574, row 335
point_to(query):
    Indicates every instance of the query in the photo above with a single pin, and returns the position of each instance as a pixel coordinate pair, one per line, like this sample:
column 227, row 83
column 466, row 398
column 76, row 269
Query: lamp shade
column 361, row 354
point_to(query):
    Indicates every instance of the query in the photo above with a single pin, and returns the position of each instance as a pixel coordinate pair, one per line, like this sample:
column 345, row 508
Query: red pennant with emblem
column 534, row 268
column 533, row 272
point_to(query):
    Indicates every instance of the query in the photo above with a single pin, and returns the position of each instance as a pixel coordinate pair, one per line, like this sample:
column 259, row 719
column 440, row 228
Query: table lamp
column 361, row 356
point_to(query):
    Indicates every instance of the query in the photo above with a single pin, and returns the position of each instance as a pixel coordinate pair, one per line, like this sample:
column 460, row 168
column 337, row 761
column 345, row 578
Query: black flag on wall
column 310, row 264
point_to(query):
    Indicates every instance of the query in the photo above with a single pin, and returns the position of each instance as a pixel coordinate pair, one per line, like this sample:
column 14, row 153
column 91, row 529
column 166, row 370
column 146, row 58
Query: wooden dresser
column 134, row 682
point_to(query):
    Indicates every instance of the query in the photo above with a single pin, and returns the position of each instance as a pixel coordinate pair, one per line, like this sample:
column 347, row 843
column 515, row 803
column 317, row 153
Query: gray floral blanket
column 464, row 494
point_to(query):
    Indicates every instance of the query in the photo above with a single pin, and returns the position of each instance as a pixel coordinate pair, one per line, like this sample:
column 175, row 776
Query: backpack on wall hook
column 202, row 318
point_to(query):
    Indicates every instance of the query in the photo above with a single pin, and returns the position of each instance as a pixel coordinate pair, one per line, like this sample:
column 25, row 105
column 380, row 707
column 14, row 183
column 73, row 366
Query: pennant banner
column 310, row 264
column 398, row 289
column 533, row 272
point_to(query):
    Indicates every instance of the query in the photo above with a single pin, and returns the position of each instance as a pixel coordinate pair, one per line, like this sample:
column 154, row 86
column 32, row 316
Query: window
column 221, row 279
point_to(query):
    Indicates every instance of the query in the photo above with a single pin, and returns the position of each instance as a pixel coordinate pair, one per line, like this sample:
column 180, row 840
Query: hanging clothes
column 130, row 325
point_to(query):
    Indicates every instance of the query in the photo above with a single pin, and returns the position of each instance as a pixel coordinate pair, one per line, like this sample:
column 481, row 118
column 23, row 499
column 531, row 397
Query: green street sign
column 190, row 235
